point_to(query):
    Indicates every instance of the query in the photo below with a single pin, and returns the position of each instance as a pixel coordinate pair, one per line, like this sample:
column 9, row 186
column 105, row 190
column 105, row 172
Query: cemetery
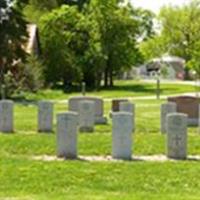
column 48, row 142
column 99, row 100
column 81, row 119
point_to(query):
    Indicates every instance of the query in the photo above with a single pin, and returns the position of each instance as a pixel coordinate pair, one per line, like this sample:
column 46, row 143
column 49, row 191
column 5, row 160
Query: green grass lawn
column 22, row 178
column 121, row 89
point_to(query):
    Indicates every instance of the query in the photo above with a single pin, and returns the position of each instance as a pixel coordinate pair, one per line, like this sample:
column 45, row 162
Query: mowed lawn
column 121, row 89
column 23, row 178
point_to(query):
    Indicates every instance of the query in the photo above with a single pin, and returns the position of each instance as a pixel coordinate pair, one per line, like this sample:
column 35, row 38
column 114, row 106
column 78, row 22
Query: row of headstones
column 123, row 125
column 90, row 113
column 122, row 132
column 174, row 124
column 86, row 113
column 45, row 116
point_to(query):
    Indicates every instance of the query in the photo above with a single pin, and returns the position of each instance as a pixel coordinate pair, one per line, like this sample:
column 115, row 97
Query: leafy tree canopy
column 101, row 40
column 13, row 35
column 15, row 74
column 179, row 35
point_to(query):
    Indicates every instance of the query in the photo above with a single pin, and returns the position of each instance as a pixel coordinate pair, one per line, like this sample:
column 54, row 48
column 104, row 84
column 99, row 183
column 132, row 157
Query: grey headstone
column 166, row 109
column 86, row 116
column 177, row 136
column 122, row 135
column 128, row 107
column 6, row 116
column 45, row 116
column 73, row 105
column 67, row 135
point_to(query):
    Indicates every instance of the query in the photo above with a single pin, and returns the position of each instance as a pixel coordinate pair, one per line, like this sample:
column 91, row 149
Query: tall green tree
column 35, row 9
column 179, row 34
column 118, row 29
column 79, row 3
column 154, row 47
column 13, row 35
column 101, row 40
column 61, row 39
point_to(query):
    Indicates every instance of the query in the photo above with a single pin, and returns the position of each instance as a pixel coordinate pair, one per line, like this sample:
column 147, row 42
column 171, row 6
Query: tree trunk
column 2, row 89
column 106, row 77
column 187, row 74
column 89, row 79
column 67, row 84
column 98, row 80
column 111, row 77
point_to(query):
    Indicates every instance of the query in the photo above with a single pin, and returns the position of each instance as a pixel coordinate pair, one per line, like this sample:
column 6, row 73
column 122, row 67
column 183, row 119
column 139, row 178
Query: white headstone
column 122, row 135
column 166, row 109
column 86, row 116
column 73, row 105
column 128, row 107
column 177, row 136
column 6, row 116
column 45, row 116
column 67, row 135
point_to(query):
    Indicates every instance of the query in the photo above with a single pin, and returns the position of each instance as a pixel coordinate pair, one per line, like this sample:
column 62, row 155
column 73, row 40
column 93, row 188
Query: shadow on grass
column 137, row 88
column 148, row 89
column 132, row 88
column 22, row 100
column 129, row 87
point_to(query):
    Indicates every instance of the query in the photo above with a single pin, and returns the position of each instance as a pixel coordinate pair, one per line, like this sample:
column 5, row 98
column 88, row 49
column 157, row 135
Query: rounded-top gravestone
column 6, row 116
column 122, row 135
column 166, row 108
column 177, row 136
column 130, row 108
column 45, row 116
column 73, row 105
column 86, row 116
column 67, row 124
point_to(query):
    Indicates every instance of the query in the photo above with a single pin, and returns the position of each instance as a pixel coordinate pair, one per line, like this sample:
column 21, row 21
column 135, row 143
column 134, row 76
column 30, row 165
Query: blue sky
column 155, row 5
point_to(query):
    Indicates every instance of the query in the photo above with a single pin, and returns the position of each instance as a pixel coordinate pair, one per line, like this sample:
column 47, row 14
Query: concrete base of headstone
column 122, row 135
column 177, row 136
column 100, row 120
column 67, row 124
column 192, row 122
column 6, row 116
